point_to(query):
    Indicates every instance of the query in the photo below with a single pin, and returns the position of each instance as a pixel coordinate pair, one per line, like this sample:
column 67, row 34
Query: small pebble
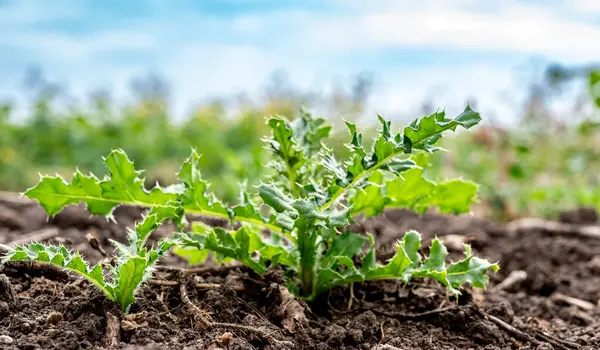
column 54, row 317
column 224, row 339
column 5, row 339
column 25, row 328
column 594, row 264
column 4, row 309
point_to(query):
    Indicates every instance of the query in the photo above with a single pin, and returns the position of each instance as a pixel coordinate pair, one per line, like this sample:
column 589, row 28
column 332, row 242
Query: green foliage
column 307, row 205
column 594, row 86
column 240, row 245
column 60, row 256
column 386, row 176
column 132, row 268
column 406, row 264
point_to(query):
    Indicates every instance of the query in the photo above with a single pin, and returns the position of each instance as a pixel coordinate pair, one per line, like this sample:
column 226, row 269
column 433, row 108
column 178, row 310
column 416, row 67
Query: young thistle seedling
column 312, row 198
column 134, row 263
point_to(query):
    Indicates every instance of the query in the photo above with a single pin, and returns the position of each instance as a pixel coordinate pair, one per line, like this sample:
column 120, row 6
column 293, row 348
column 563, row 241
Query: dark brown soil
column 42, row 308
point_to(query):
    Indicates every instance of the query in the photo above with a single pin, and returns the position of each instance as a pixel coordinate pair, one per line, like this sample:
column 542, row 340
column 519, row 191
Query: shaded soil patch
column 551, row 303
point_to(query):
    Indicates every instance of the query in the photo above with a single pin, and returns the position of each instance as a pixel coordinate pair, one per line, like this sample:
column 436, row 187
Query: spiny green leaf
column 295, row 144
column 424, row 133
column 347, row 244
column 309, row 133
column 412, row 190
column 151, row 221
column 192, row 255
column 454, row 196
column 195, row 197
column 63, row 258
column 471, row 270
column 123, row 186
column 246, row 209
column 436, row 261
column 275, row 198
column 403, row 263
column 421, row 134
column 239, row 245
column 406, row 264
column 370, row 200
column 130, row 273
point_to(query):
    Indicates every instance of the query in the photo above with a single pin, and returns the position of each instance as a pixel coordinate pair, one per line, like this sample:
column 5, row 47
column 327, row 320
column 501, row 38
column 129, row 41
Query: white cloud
column 508, row 27
column 534, row 34
column 585, row 6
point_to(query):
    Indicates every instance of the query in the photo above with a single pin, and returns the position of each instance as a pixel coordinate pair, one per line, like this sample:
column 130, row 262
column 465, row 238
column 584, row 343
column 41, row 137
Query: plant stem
column 308, row 256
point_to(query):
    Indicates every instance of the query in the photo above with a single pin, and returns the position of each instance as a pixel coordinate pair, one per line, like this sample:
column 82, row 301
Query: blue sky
column 448, row 51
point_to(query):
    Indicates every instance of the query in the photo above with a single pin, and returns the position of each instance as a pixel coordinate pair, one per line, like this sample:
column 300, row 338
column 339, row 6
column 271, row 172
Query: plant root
column 199, row 270
column 291, row 311
column 167, row 283
column 113, row 331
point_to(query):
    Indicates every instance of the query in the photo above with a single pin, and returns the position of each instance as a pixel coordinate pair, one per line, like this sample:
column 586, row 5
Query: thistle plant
column 310, row 200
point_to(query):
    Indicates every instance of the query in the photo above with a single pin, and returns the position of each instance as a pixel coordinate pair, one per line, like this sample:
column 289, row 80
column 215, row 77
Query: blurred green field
column 536, row 168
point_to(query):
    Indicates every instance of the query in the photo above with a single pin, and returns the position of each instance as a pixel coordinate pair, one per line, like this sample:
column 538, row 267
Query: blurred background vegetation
column 538, row 166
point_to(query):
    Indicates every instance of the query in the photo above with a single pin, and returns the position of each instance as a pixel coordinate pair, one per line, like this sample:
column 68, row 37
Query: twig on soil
column 36, row 236
column 95, row 244
column 198, row 270
column 113, row 331
column 200, row 316
column 513, row 278
column 556, row 343
column 507, row 327
column 166, row 283
column 385, row 347
column 582, row 304
column 553, row 340
column 592, row 231
column 205, row 321
column 382, row 333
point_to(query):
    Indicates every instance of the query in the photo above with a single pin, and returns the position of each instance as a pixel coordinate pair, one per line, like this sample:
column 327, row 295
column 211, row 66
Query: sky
column 447, row 51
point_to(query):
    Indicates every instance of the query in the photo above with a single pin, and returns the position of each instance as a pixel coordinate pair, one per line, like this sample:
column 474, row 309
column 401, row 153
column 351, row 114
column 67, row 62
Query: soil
column 553, row 302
